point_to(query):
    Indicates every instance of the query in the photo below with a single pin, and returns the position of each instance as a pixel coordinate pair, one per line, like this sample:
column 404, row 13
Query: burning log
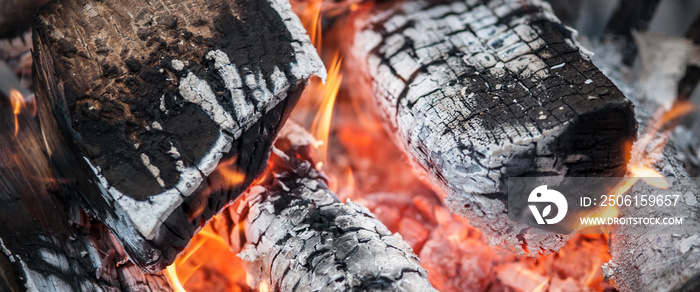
column 476, row 92
column 642, row 260
column 299, row 236
column 656, row 262
column 659, row 262
column 45, row 242
column 144, row 105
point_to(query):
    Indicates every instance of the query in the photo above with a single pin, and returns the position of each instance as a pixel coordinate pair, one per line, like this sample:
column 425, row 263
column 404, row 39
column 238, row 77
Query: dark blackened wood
column 144, row 101
column 298, row 236
column 45, row 244
column 631, row 15
column 692, row 73
column 475, row 93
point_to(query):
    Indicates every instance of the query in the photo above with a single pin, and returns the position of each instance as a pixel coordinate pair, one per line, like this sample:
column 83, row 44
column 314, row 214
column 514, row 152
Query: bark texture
column 144, row 103
column 298, row 236
column 478, row 91
column 46, row 244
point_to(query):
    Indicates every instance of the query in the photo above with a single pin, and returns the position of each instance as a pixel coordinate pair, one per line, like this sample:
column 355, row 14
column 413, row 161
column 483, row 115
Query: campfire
column 338, row 145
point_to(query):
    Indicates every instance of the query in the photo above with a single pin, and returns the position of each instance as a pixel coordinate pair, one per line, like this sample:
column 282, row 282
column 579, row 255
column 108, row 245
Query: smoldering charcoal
column 478, row 91
column 144, row 100
column 453, row 145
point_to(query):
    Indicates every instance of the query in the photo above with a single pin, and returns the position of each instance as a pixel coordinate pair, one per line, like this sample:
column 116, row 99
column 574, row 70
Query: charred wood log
column 142, row 103
column 478, row 91
column 298, row 236
column 45, row 243
column 659, row 262
column 642, row 260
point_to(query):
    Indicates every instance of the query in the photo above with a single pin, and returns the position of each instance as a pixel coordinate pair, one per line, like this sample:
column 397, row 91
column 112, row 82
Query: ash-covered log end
column 161, row 113
column 479, row 91
column 298, row 236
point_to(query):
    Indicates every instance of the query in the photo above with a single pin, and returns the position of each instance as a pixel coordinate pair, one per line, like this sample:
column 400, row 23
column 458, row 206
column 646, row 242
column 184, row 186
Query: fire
column 311, row 20
column 232, row 177
column 318, row 97
column 18, row 103
column 320, row 128
column 643, row 155
column 207, row 264
column 367, row 167
column 206, row 249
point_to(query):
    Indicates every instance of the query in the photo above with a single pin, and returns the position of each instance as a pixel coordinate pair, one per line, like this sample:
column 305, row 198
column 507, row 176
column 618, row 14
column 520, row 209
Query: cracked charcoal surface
column 478, row 91
column 299, row 237
column 150, row 97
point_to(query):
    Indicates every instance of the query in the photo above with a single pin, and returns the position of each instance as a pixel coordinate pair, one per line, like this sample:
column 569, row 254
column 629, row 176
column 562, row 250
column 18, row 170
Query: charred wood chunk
column 479, row 91
column 659, row 262
column 46, row 244
column 642, row 260
column 145, row 103
column 298, row 236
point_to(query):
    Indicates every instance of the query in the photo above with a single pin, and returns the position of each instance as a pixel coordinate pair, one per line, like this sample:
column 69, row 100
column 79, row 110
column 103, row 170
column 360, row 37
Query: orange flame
column 320, row 128
column 18, row 103
column 318, row 96
column 232, row 177
column 205, row 249
column 642, row 156
column 311, row 20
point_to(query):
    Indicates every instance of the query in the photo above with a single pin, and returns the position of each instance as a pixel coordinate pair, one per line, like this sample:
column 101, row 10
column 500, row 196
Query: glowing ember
column 311, row 20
